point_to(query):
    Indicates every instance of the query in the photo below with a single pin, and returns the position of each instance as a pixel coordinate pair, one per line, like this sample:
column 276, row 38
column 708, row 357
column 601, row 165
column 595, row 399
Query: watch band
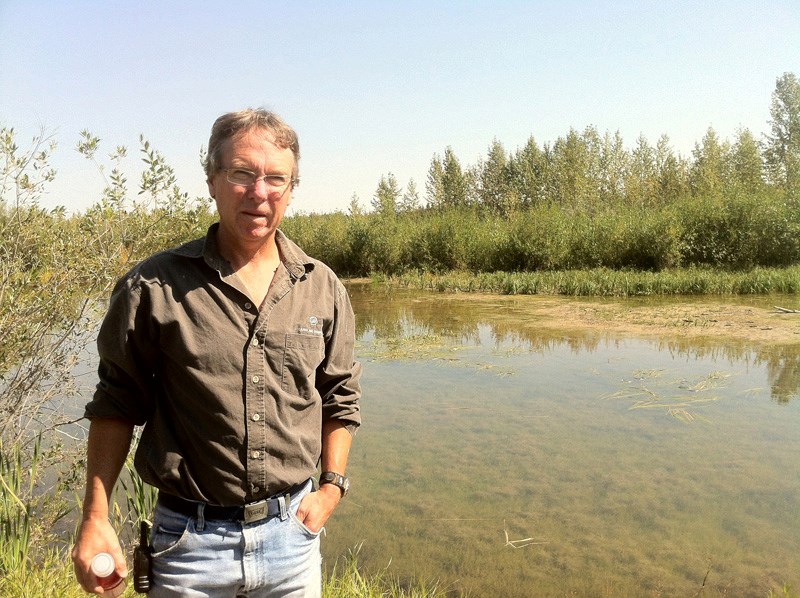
column 337, row 479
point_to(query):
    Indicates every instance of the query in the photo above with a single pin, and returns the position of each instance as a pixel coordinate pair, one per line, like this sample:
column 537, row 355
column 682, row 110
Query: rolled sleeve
column 339, row 375
column 126, row 369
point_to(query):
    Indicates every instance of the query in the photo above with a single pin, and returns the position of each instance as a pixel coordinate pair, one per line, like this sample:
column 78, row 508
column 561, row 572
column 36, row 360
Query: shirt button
column 248, row 305
column 255, row 379
column 256, row 489
column 256, row 455
column 255, row 342
column 256, row 417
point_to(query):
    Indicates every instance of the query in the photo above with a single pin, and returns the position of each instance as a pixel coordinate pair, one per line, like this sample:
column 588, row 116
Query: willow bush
column 737, row 232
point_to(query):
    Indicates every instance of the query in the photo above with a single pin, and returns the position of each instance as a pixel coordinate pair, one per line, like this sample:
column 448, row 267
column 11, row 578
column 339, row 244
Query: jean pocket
column 302, row 527
column 169, row 530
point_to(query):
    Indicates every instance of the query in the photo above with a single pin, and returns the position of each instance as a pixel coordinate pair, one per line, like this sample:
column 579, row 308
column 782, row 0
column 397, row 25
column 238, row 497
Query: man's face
column 249, row 214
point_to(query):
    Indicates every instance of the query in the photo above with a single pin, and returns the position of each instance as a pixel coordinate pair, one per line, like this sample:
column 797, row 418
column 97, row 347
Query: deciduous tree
column 783, row 141
column 387, row 196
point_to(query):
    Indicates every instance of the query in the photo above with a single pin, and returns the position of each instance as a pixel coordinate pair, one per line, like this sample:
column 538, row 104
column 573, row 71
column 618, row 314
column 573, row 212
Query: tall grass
column 28, row 512
column 607, row 282
column 347, row 580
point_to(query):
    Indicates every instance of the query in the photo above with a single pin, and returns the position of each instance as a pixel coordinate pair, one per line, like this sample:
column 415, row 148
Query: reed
column 28, row 512
column 139, row 499
column 606, row 282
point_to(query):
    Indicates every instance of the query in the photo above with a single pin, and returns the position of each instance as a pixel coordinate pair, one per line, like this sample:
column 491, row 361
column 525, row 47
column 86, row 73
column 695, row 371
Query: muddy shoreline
column 695, row 319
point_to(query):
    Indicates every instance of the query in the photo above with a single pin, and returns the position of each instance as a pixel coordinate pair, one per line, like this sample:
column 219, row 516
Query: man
column 236, row 354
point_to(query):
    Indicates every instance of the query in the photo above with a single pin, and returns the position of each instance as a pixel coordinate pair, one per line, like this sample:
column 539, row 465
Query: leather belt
column 249, row 513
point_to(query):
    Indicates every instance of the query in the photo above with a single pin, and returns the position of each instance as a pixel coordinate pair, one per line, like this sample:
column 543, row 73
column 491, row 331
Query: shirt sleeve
column 339, row 374
column 127, row 351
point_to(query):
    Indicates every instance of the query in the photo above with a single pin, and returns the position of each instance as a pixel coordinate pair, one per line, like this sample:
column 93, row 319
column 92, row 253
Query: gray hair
column 231, row 124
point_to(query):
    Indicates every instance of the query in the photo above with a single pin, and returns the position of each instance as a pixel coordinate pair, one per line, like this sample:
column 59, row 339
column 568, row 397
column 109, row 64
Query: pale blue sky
column 377, row 87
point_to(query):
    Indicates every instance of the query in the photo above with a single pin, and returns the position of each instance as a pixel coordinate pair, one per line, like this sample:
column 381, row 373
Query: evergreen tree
column 570, row 184
column 673, row 177
column 595, row 174
column 613, row 168
column 354, row 209
column 642, row 179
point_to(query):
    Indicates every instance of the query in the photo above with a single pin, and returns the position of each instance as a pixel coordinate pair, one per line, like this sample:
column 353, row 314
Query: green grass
column 607, row 282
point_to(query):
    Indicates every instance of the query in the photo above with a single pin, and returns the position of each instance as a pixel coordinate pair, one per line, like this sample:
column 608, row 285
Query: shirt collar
column 297, row 262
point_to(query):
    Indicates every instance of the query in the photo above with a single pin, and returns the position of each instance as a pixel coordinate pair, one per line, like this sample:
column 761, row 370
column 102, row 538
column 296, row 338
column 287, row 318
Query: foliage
column 584, row 202
column 54, row 268
column 387, row 196
column 783, row 143
column 736, row 231
column 139, row 499
column 27, row 510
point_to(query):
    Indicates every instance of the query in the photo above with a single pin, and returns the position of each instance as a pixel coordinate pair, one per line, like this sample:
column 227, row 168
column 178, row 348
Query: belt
column 249, row 513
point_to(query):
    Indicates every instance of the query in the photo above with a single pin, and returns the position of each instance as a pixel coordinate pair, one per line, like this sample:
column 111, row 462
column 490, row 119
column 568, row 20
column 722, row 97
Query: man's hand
column 109, row 440
column 96, row 535
column 316, row 507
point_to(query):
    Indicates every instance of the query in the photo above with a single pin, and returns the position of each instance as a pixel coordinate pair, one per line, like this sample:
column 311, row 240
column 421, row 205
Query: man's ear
column 211, row 190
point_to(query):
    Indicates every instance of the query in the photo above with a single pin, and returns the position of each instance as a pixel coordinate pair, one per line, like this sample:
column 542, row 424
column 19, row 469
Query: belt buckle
column 256, row 511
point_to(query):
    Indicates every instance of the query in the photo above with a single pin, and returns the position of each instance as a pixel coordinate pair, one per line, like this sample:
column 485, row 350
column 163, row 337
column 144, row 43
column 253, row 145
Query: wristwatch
column 337, row 479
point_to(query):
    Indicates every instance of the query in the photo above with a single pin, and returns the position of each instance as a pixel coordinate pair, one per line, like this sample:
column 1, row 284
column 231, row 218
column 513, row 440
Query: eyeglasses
column 246, row 178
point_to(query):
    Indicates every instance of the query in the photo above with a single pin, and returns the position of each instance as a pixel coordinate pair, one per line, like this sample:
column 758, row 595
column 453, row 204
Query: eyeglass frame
column 290, row 180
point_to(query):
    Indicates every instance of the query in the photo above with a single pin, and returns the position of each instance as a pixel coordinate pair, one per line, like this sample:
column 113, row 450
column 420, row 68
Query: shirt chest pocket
column 302, row 354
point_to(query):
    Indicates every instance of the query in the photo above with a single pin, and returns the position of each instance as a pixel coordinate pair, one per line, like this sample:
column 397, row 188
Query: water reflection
column 637, row 466
column 433, row 319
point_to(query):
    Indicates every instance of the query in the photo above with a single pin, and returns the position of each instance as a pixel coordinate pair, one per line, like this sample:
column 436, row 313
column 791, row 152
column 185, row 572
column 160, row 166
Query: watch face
column 337, row 480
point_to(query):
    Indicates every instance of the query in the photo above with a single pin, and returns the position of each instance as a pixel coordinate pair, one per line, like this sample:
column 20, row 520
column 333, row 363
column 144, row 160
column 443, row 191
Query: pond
column 501, row 457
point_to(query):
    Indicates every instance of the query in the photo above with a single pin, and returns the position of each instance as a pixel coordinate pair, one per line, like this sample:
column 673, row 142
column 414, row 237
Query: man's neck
column 254, row 264
column 242, row 255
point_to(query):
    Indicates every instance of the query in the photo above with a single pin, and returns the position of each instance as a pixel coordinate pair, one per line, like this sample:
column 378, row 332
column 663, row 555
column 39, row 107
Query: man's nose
column 261, row 190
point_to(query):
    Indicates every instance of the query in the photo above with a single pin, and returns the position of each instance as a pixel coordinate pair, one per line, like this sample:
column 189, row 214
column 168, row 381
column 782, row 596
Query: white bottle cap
column 103, row 565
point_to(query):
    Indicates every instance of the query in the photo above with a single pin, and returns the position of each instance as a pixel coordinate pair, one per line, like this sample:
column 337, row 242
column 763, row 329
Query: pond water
column 504, row 460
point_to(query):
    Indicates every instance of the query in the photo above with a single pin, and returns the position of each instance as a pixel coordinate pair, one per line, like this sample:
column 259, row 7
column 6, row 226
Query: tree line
column 586, row 169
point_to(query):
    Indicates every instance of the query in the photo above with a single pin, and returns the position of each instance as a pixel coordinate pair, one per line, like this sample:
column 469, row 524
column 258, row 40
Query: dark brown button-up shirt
column 232, row 397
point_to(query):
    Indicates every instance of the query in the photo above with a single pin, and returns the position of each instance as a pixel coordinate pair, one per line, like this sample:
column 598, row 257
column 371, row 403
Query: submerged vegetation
column 581, row 216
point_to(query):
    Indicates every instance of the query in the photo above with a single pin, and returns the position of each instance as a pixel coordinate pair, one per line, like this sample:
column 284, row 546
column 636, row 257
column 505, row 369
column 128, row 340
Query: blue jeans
column 271, row 558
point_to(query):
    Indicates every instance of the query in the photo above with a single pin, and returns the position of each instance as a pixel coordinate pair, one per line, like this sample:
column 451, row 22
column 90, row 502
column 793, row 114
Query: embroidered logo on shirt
column 313, row 326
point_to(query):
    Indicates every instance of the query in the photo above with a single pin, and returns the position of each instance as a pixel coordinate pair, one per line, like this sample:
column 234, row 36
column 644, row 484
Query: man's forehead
column 258, row 137
column 255, row 134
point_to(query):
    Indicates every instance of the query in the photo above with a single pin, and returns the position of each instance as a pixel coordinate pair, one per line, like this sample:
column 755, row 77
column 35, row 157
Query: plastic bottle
column 103, row 568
